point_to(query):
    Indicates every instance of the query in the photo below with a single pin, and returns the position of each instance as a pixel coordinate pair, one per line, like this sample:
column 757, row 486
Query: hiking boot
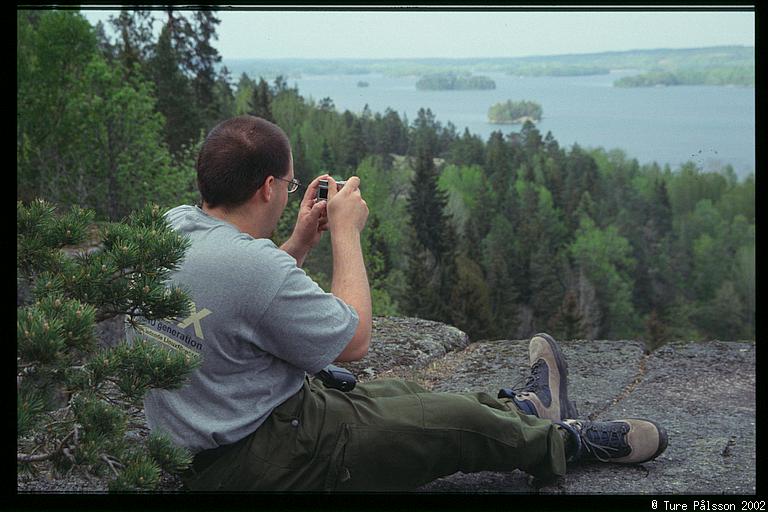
column 545, row 392
column 631, row 441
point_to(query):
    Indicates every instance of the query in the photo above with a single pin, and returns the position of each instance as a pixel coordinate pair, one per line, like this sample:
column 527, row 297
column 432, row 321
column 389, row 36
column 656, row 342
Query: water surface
column 709, row 125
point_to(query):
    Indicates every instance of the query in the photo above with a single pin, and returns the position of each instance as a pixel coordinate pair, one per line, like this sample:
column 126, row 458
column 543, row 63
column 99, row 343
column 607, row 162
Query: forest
column 501, row 237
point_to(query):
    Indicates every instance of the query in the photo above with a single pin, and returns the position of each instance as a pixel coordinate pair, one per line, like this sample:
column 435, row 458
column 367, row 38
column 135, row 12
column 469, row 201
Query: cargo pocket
column 267, row 459
column 281, row 452
column 374, row 458
column 336, row 458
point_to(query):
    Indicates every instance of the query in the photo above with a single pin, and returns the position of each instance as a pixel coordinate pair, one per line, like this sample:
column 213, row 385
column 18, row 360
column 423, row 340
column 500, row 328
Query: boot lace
column 532, row 381
column 603, row 440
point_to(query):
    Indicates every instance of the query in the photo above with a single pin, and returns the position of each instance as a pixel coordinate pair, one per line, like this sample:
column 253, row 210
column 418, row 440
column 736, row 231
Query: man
column 251, row 414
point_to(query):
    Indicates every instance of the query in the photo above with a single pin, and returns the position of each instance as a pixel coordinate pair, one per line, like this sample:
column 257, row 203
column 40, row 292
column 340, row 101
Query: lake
column 709, row 125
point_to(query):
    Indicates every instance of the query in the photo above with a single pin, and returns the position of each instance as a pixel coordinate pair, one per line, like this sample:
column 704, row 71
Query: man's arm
column 347, row 214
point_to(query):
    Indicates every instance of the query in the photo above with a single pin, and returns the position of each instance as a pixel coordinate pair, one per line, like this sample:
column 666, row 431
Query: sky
column 412, row 33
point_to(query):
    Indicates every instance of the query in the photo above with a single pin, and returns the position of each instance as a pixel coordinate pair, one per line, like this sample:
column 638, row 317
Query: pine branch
column 109, row 462
column 68, row 454
column 113, row 400
column 21, row 457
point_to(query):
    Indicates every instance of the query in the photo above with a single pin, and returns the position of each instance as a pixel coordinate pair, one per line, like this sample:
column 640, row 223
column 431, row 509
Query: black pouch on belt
column 337, row 378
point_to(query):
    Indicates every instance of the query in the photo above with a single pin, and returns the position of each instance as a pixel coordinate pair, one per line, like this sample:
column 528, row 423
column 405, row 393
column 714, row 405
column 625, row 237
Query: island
column 534, row 69
column 723, row 75
column 514, row 112
column 452, row 81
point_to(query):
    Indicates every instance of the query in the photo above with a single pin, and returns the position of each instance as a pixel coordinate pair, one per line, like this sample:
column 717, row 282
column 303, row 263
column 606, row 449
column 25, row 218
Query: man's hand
column 347, row 210
column 312, row 221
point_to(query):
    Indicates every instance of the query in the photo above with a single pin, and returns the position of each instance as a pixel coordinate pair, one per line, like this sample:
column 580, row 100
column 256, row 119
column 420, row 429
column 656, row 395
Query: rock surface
column 702, row 393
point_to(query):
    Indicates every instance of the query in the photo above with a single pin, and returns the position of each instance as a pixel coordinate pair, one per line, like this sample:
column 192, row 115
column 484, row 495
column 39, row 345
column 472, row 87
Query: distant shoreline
column 740, row 60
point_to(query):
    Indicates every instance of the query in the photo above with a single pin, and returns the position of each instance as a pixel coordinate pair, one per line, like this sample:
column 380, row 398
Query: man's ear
column 265, row 191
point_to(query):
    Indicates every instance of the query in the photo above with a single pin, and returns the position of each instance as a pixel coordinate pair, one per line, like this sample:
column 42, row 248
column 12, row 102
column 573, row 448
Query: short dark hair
column 237, row 157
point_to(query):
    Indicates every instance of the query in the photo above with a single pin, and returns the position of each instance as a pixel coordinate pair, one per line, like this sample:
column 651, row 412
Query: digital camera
column 322, row 189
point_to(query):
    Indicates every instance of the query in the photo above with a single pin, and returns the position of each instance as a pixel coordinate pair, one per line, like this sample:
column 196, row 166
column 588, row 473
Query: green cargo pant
column 384, row 435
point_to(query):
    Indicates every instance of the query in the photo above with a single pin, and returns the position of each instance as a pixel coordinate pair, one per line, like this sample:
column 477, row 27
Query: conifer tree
column 426, row 206
column 261, row 101
column 76, row 399
column 498, row 161
column 470, row 300
column 134, row 39
column 206, row 57
column 391, row 133
column 353, row 141
column 553, row 162
column 225, row 95
column 467, row 150
column 184, row 71
column 531, row 138
column 280, row 86
column 446, row 138
column 499, row 256
column 175, row 95
column 432, row 270
column 540, row 260
column 479, row 220
column 653, row 285
column 581, row 176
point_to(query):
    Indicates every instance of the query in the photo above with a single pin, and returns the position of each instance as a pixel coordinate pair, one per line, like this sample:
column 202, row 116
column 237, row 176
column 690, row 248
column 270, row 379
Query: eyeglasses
column 294, row 184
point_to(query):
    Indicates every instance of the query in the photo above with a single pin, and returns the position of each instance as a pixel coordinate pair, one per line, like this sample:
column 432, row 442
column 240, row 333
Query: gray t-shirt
column 260, row 324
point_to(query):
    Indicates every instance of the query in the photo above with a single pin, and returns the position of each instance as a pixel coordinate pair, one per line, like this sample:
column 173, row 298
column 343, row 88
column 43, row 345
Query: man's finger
column 352, row 184
column 332, row 189
column 317, row 211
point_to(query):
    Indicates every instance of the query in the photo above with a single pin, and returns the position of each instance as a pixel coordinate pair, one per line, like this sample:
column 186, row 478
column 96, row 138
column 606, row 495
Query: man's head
column 238, row 157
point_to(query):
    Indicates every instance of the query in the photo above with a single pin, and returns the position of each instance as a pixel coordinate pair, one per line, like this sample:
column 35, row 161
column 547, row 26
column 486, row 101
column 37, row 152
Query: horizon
column 496, row 57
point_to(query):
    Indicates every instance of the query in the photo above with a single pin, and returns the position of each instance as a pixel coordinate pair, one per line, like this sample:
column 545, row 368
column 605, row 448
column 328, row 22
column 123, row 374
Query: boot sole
column 567, row 408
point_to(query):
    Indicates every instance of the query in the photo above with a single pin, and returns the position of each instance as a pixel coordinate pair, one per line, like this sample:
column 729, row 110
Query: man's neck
column 244, row 218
